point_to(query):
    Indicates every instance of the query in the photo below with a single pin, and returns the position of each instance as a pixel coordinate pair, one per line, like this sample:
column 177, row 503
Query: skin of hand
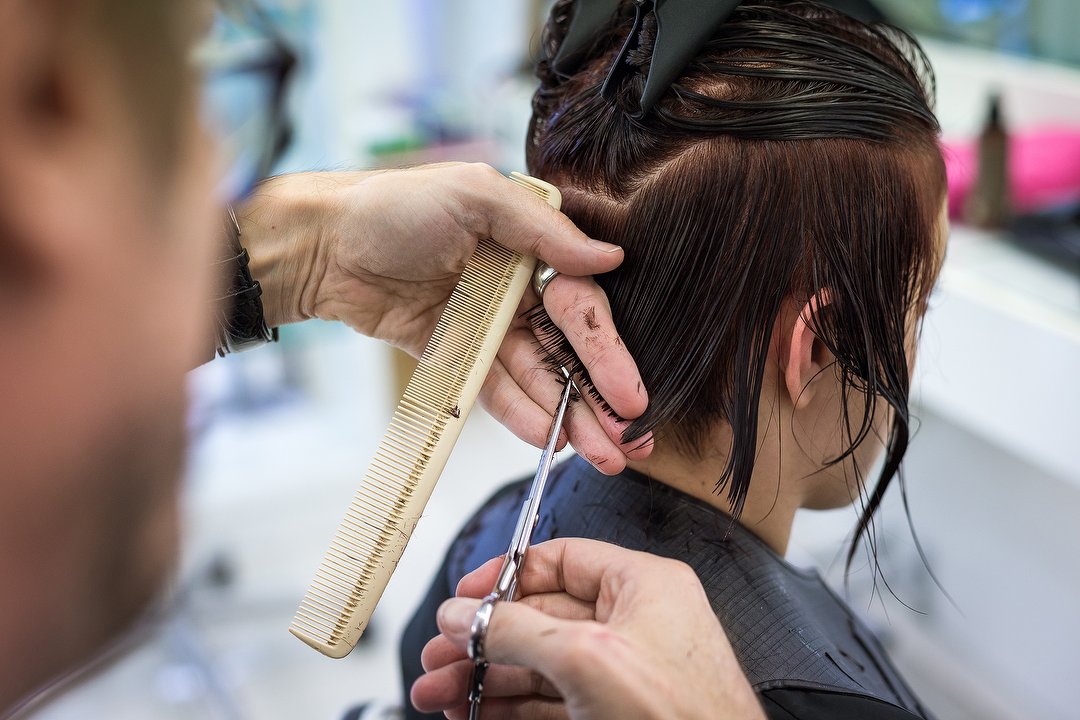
column 381, row 251
column 599, row 632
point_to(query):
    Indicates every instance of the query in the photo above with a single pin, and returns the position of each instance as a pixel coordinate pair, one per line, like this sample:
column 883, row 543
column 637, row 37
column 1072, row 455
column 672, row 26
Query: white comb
column 415, row 447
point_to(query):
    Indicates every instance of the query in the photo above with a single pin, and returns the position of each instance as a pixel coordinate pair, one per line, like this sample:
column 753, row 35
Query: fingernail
column 456, row 615
column 603, row 246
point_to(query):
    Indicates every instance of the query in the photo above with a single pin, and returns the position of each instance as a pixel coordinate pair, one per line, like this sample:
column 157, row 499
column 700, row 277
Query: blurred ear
column 806, row 355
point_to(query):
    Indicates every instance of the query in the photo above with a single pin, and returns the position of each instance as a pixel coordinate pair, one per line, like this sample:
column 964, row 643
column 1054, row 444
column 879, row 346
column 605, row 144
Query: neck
column 769, row 509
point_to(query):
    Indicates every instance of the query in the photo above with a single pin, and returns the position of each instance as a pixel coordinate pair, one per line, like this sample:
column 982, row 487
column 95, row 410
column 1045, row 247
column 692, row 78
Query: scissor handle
column 476, row 689
column 507, row 580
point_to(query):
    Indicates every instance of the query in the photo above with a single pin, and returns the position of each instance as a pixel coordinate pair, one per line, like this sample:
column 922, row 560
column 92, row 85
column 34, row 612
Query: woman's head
column 791, row 174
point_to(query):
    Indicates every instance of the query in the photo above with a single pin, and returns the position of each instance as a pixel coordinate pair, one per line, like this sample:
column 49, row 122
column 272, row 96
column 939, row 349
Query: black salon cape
column 804, row 652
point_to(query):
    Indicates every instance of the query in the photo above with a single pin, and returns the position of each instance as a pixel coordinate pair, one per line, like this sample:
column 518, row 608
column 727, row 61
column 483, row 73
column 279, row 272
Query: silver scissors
column 514, row 561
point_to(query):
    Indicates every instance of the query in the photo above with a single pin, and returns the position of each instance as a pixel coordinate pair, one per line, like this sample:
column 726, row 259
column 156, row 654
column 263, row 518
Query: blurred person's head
column 781, row 212
column 105, row 231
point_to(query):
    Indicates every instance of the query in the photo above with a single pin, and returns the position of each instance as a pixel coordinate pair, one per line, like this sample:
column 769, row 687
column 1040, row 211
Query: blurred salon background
column 281, row 436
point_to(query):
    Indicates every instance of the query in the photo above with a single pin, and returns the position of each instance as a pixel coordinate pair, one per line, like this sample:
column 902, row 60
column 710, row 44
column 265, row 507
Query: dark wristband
column 241, row 324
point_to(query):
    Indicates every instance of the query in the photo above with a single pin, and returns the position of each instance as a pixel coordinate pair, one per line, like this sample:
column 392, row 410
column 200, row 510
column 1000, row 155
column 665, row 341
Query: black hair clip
column 587, row 19
column 682, row 29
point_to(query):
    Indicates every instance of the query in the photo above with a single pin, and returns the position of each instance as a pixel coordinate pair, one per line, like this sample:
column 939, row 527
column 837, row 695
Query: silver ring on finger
column 542, row 275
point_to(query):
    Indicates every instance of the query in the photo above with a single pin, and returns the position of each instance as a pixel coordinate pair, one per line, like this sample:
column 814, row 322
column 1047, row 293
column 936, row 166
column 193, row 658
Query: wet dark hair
column 797, row 153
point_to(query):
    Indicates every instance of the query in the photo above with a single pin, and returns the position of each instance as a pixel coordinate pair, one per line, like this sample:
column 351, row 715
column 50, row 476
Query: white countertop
column 1000, row 351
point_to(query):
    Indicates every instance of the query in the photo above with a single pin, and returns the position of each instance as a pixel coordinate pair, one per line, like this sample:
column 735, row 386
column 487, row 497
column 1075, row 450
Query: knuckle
column 540, row 603
column 503, row 405
column 512, row 411
column 456, row 165
column 681, row 574
column 533, row 244
column 600, row 355
column 570, row 300
column 546, row 603
column 533, row 379
column 498, row 399
column 493, row 394
column 482, row 172
column 453, row 173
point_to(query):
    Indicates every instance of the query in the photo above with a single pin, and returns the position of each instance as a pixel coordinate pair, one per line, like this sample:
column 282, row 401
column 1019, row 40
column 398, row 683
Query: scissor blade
column 506, row 583
column 556, row 428
column 530, row 510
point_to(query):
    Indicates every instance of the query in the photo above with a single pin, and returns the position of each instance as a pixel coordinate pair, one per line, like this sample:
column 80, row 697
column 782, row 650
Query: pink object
column 1044, row 169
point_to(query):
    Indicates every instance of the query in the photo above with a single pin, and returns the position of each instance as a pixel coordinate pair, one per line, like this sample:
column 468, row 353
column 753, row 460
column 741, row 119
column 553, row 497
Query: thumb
column 516, row 218
column 517, row 634
column 593, row 669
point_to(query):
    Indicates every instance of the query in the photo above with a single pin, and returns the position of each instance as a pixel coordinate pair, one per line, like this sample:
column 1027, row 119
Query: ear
column 806, row 354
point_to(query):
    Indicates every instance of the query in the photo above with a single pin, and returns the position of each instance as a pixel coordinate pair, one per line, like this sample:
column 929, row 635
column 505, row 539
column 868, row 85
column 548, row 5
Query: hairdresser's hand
column 381, row 251
column 601, row 632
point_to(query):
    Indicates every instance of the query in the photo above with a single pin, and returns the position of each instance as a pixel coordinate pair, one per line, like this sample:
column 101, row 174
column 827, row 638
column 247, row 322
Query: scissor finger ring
column 478, row 631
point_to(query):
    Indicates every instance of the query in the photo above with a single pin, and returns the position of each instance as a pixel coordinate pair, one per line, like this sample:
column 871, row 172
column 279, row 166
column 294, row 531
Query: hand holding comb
column 414, row 449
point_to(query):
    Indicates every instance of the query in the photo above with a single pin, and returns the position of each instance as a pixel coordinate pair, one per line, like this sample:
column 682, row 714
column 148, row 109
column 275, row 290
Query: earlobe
column 803, row 356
